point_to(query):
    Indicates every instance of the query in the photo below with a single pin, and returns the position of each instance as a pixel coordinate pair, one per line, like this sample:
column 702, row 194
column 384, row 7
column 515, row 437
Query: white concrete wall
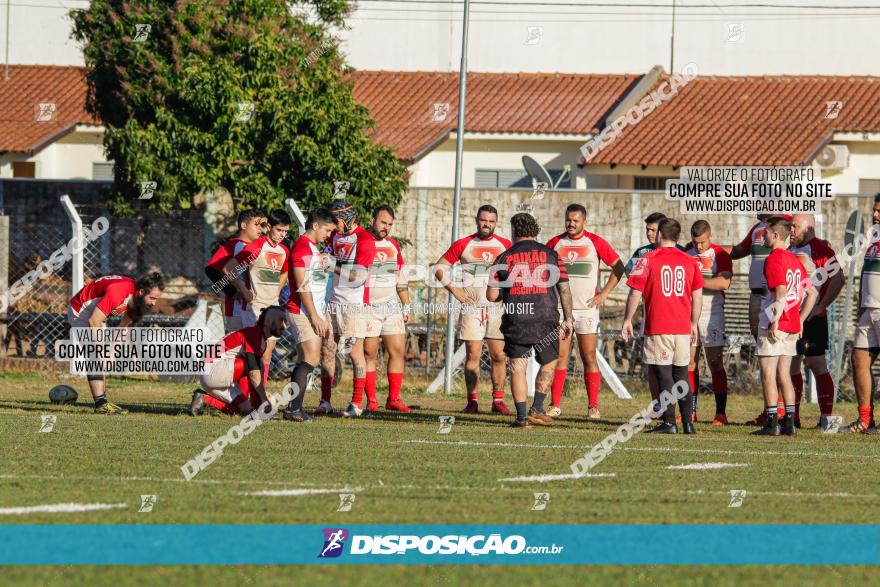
column 573, row 39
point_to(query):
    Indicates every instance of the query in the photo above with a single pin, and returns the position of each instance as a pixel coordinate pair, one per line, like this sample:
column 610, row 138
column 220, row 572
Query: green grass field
column 403, row 471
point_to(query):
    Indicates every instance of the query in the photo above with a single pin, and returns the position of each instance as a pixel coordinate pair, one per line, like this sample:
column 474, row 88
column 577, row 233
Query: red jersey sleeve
column 301, row 251
column 774, row 272
column 746, row 243
column 638, row 277
column 366, row 250
column 507, row 244
column 553, row 242
column 115, row 294
column 453, row 254
column 250, row 251
column 399, row 253
column 723, row 261
column 604, row 249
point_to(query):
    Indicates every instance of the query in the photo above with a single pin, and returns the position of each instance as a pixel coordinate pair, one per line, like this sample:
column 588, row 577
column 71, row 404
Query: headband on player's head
column 345, row 212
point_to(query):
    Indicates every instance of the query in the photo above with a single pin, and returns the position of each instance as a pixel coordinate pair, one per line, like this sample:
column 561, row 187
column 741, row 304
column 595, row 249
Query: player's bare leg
column 519, row 390
column 769, row 374
column 308, row 356
column 473, row 351
column 543, row 381
column 328, row 370
column 862, row 359
column 394, row 348
column 559, row 375
column 592, row 378
column 715, row 360
column 499, row 373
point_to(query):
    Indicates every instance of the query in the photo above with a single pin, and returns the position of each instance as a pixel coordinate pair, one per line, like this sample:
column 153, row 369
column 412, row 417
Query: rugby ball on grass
column 62, row 394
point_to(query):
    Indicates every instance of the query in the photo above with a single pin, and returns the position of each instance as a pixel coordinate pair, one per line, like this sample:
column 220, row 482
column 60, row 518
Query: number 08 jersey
column 667, row 277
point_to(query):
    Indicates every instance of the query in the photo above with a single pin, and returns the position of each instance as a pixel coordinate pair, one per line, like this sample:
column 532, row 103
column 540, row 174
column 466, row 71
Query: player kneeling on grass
column 306, row 310
column 716, row 266
column 532, row 281
column 672, row 286
column 235, row 378
column 780, row 324
column 112, row 295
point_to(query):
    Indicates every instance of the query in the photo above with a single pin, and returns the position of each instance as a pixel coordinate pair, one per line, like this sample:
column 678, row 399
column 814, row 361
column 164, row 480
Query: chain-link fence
column 33, row 227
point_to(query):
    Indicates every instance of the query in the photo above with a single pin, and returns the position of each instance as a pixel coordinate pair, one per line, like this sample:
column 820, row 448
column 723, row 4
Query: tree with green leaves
column 246, row 96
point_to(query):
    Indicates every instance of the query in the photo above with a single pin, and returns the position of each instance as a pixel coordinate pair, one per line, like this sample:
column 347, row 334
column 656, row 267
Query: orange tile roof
column 402, row 104
column 766, row 120
column 29, row 86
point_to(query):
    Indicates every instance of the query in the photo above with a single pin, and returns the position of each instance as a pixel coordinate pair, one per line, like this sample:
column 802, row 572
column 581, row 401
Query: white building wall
column 71, row 157
column 573, row 39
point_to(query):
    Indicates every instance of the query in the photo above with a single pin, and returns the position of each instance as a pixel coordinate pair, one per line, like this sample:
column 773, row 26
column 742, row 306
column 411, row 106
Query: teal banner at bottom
column 421, row 544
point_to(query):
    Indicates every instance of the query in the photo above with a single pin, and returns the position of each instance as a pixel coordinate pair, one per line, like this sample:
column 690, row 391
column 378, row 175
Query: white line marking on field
column 157, row 480
column 787, row 494
column 295, row 492
column 61, row 508
column 705, row 466
column 560, row 477
column 646, row 449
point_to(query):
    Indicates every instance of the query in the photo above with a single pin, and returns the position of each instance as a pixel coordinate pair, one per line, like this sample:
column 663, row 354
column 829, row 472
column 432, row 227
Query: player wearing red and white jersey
column 479, row 319
column 672, row 287
column 582, row 252
column 387, row 310
column 306, row 310
column 816, row 255
column 353, row 257
column 753, row 245
column 112, row 295
column 716, row 267
column 781, row 324
column 251, row 225
column 235, row 378
column 866, row 345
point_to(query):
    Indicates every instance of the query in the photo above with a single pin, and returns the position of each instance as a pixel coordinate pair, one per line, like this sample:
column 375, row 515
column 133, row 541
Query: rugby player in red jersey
column 235, row 378
column 306, row 310
column 583, row 252
column 716, row 267
column 815, row 254
column 251, row 226
column 781, row 324
column 479, row 318
column 387, row 312
column 112, row 295
column 672, row 287
column 353, row 257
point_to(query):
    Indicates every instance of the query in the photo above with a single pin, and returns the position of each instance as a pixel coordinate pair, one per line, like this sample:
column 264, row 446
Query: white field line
column 644, row 449
column 786, row 494
column 157, row 480
column 705, row 466
column 561, row 477
column 295, row 492
column 61, row 508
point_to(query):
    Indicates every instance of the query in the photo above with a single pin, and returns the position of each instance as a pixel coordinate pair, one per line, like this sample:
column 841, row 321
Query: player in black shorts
column 531, row 280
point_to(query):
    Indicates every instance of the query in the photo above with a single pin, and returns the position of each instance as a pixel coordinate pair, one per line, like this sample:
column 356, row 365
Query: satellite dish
column 537, row 172
column 855, row 229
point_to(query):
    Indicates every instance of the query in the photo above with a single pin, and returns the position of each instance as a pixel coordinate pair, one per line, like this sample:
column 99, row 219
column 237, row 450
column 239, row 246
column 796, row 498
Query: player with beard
column 235, row 378
column 479, row 319
column 306, row 310
column 112, row 295
column 815, row 253
column 532, row 281
column 251, row 226
column 582, row 252
column 385, row 317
